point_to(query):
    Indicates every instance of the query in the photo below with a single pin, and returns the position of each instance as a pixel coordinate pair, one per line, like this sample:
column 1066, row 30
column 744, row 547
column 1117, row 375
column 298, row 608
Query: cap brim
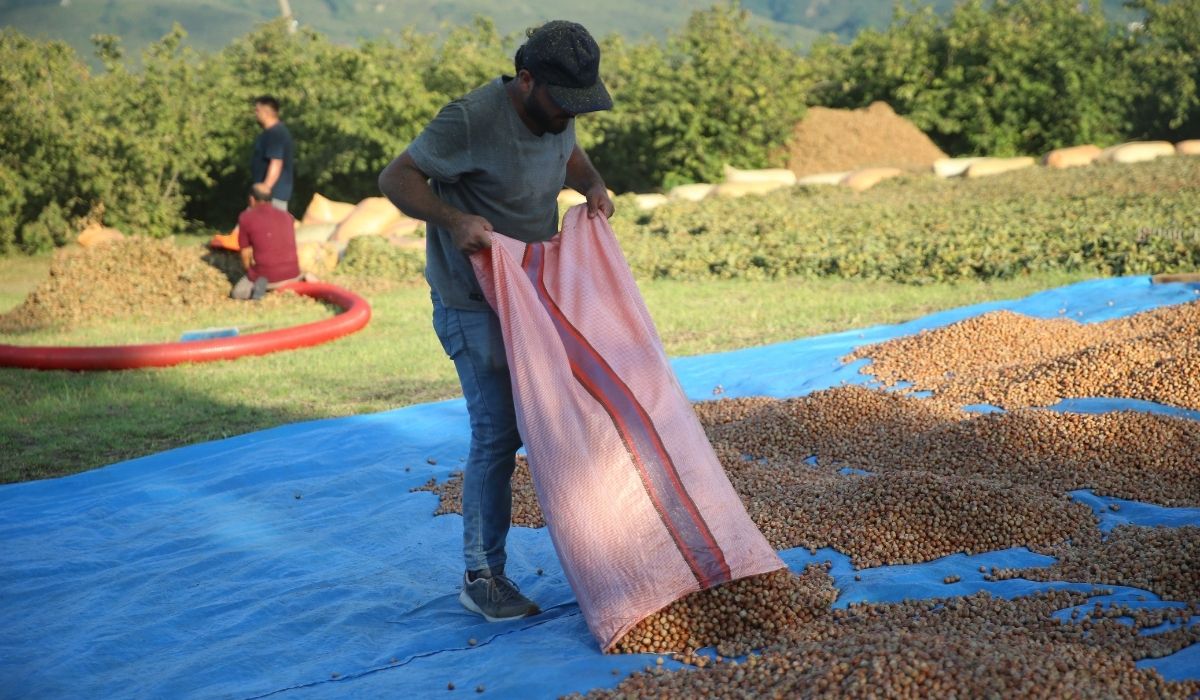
column 581, row 100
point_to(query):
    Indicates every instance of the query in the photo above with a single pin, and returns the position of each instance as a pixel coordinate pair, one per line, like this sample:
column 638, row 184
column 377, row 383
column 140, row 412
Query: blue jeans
column 474, row 341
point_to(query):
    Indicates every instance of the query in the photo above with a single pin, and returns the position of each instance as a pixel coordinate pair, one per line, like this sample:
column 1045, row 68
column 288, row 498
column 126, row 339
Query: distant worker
column 267, row 237
column 273, row 162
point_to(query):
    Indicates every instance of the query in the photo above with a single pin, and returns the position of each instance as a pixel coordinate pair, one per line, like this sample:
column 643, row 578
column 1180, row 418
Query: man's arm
column 408, row 188
column 583, row 177
column 247, row 258
column 274, row 170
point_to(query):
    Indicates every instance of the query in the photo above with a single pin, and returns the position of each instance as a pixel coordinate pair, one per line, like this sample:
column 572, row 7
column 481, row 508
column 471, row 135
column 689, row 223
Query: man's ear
column 526, row 80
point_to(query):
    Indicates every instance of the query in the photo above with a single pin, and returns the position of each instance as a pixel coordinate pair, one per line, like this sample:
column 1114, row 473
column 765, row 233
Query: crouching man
column 267, row 238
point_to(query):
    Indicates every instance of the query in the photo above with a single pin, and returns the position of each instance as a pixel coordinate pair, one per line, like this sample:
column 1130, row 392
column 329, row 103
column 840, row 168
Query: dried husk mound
column 134, row 278
column 837, row 140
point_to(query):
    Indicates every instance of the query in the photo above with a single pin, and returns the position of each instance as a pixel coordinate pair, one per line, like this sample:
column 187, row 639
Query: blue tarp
column 294, row 562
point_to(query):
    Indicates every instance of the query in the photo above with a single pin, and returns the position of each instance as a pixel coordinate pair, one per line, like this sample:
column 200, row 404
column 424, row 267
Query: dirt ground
column 836, row 140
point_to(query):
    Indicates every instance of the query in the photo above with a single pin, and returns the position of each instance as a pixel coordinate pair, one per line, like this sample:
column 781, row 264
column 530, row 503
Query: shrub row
column 1107, row 219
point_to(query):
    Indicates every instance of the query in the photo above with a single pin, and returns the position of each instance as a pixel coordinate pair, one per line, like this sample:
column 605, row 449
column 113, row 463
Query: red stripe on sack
column 644, row 417
column 586, row 382
column 593, row 391
column 669, row 470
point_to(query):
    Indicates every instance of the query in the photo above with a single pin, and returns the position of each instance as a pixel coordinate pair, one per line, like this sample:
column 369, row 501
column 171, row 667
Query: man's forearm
column 408, row 188
column 274, row 170
column 247, row 258
column 582, row 176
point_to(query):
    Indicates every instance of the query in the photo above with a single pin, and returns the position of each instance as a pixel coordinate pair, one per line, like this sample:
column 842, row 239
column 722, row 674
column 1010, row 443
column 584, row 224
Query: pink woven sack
column 638, row 506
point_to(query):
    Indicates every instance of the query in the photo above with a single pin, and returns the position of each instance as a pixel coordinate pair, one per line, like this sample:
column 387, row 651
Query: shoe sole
column 470, row 605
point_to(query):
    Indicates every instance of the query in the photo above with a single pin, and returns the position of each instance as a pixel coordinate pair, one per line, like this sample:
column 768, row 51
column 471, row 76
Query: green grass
column 20, row 275
column 58, row 423
column 159, row 329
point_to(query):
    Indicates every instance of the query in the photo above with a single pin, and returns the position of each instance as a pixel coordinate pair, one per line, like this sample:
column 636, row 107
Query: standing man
column 495, row 160
column 273, row 162
column 267, row 238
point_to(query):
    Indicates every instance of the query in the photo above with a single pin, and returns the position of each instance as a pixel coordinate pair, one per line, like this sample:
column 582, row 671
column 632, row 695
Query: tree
column 41, row 97
column 1167, row 62
column 720, row 92
column 150, row 134
column 997, row 79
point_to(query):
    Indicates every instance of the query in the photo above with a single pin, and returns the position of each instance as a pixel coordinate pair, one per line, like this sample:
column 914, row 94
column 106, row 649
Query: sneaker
column 496, row 598
column 260, row 288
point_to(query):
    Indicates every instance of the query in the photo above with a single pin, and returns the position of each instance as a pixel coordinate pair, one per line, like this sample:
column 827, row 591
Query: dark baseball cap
column 566, row 58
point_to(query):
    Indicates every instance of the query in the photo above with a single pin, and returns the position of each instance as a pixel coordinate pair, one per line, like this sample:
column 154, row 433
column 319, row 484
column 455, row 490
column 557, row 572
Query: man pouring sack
column 495, row 160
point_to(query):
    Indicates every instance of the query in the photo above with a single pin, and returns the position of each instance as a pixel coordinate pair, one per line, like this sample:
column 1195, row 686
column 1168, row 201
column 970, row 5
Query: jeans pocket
column 497, row 358
column 449, row 331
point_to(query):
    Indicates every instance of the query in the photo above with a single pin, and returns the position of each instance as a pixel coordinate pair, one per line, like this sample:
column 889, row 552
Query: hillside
column 846, row 18
column 212, row 23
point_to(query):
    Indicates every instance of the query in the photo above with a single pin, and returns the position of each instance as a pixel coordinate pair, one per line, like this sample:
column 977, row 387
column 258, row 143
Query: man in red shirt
column 267, row 237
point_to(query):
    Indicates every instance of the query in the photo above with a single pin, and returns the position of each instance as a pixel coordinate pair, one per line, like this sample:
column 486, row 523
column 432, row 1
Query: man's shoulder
column 484, row 97
column 278, row 217
column 278, row 133
column 258, row 217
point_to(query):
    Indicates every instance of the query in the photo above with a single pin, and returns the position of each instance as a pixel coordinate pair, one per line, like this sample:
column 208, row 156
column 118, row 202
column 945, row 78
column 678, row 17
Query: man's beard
column 542, row 118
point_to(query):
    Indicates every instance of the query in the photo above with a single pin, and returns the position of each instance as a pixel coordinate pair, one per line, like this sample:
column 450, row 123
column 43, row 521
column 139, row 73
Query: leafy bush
column 126, row 145
column 374, row 257
column 349, row 109
column 149, row 134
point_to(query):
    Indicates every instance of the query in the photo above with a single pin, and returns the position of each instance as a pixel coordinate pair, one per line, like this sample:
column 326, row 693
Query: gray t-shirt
column 483, row 160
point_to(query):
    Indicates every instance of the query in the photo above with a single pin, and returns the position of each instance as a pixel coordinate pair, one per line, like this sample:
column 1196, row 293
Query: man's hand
column 470, row 233
column 583, row 178
column 599, row 201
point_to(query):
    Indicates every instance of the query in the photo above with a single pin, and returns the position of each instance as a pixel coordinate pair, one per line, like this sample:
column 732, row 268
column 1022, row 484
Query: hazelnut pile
column 1162, row 560
column 967, row 647
column 938, row 481
column 735, row 617
column 1127, row 454
column 908, row 517
column 1009, row 360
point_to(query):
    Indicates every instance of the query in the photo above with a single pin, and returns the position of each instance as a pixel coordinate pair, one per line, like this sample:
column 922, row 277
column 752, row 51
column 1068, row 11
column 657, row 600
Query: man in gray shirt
column 495, row 160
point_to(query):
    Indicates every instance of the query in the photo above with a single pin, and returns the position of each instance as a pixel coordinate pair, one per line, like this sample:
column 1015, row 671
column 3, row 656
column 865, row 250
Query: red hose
column 356, row 313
